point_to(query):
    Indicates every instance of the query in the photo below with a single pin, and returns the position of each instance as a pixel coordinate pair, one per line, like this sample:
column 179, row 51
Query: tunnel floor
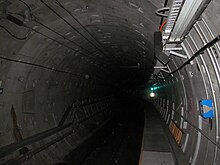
column 134, row 136
column 156, row 146
column 118, row 142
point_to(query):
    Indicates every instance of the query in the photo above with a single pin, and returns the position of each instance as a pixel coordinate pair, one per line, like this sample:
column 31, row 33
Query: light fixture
column 152, row 94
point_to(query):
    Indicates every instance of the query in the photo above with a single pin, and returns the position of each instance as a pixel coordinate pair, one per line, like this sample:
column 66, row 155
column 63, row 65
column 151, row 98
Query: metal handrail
column 5, row 150
column 22, row 158
column 8, row 149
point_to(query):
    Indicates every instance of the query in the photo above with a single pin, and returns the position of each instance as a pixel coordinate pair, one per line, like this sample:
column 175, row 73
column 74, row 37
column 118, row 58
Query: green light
column 155, row 88
column 159, row 86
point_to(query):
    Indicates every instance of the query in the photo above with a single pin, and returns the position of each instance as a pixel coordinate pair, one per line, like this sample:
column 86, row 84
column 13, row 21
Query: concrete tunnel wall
column 180, row 94
column 41, row 96
column 125, row 31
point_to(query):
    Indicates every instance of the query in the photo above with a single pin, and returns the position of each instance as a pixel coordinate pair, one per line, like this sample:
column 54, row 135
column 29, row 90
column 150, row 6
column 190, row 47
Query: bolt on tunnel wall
column 63, row 64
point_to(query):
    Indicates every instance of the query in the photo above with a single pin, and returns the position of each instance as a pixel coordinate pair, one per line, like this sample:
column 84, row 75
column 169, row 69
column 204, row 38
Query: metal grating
column 174, row 12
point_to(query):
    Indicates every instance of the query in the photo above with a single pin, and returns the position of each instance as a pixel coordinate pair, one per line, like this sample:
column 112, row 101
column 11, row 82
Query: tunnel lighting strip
column 199, row 52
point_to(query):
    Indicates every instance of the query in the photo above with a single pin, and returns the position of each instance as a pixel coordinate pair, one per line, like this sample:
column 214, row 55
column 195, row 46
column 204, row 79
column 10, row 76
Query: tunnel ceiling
column 68, row 61
column 121, row 35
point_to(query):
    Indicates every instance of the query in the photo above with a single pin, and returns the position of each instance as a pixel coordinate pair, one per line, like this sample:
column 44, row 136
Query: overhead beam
column 160, row 67
column 178, row 54
column 164, row 70
column 174, row 48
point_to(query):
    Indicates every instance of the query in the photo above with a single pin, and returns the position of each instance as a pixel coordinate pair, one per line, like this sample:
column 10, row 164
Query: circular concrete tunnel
column 63, row 61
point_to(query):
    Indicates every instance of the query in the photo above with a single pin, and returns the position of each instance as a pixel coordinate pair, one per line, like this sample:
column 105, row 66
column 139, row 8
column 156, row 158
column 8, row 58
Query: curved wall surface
column 181, row 92
column 63, row 55
column 74, row 57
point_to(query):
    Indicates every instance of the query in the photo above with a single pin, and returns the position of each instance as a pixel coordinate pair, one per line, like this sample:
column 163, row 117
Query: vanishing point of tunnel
column 109, row 82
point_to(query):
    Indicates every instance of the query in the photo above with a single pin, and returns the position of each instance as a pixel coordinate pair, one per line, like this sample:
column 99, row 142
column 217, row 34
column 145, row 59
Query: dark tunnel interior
column 69, row 68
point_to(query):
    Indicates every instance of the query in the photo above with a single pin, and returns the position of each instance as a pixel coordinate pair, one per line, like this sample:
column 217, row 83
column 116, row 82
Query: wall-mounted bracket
column 178, row 54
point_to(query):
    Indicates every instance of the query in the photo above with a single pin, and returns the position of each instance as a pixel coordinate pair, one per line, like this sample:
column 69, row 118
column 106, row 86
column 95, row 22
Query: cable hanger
column 199, row 52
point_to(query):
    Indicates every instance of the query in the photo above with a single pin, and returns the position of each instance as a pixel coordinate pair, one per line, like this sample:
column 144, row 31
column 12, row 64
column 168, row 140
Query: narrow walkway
column 156, row 147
